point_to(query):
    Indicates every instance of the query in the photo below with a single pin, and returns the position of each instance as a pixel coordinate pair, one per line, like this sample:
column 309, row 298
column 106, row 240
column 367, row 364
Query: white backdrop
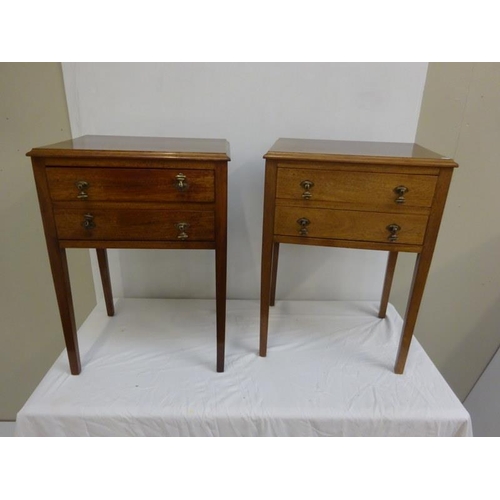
column 251, row 105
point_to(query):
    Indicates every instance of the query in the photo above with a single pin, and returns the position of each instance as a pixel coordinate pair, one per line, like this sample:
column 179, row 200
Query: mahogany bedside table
column 131, row 192
column 368, row 195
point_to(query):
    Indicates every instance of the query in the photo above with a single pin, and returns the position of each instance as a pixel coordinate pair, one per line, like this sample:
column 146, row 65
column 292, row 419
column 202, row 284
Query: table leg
column 266, row 272
column 102, row 259
column 220, row 278
column 60, row 275
column 265, row 291
column 267, row 252
column 274, row 272
column 389, row 275
column 221, row 261
column 422, row 266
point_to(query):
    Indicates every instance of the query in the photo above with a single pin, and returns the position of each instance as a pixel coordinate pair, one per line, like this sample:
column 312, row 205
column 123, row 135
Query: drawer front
column 129, row 184
column 356, row 187
column 148, row 225
column 350, row 225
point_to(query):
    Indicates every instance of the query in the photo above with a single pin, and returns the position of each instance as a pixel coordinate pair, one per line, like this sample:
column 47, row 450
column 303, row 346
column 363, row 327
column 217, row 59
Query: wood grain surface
column 350, row 225
column 130, row 224
column 365, row 188
column 100, row 146
column 357, row 152
column 131, row 185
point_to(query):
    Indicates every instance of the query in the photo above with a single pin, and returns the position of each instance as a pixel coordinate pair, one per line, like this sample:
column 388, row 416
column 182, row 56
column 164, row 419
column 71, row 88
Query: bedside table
column 131, row 192
column 367, row 195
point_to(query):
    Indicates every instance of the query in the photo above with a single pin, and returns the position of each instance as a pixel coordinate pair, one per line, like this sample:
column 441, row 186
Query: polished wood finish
column 130, row 162
column 165, row 244
column 267, row 253
column 387, row 153
column 123, row 184
column 133, row 224
column 59, row 268
column 389, row 275
column 274, row 272
column 345, row 194
column 363, row 188
column 375, row 206
column 221, row 261
column 362, row 245
column 133, row 195
column 350, row 225
column 368, row 166
column 99, row 146
column 422, row 266
column 102, row 259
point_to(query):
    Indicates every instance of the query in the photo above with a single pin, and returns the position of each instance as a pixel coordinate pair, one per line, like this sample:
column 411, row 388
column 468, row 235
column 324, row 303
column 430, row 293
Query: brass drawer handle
column 303, row 222
column 182, row 226
column 394, row 229
column 180, row 182
column 82, row 186
column 400, row 191
column 307, row 185
column 88, row 221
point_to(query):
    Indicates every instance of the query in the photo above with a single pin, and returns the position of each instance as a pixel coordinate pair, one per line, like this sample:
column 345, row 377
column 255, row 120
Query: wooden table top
column 123, row 146
column 368, row 152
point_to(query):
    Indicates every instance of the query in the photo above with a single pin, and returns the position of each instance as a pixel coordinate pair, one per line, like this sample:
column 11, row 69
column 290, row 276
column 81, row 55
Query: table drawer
column 356, row 187
column 129, row 184
column 350, row 225
column 129, row 224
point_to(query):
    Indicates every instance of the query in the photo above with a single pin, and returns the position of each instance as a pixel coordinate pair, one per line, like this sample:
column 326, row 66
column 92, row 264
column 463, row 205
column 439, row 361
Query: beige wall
column 459, row 321
column 32, row 113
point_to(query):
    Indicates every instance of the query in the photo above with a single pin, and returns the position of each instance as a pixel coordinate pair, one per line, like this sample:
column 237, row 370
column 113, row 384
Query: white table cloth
column 150, row 371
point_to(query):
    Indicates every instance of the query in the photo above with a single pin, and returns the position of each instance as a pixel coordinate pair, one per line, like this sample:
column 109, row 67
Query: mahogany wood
column 128, row 162
column 123, row 184
column 59, row 267
column 221, row 260
column 102, row 259
column 132, row 224
column 97, row 146
column 157, row 244
column 132, row 199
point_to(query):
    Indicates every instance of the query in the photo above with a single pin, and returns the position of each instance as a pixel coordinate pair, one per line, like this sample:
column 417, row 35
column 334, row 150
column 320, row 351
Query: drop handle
column 303, row 223
column 394, row 230
column 82, row 187
column 88, row 221
column 181, row 227
column 181, row 183
column 400, row 191
column 307, row 185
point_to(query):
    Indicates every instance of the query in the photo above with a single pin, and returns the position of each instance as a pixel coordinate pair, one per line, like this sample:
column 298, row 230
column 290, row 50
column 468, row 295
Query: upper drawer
column 356, row 187
column 130, row 184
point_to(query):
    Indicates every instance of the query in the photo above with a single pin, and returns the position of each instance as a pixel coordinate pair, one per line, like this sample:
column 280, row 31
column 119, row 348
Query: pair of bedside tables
column 142, row 192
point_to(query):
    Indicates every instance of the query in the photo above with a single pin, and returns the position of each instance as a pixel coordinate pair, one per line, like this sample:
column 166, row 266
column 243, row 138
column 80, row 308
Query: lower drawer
column 350, row 225
column 130, row 224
